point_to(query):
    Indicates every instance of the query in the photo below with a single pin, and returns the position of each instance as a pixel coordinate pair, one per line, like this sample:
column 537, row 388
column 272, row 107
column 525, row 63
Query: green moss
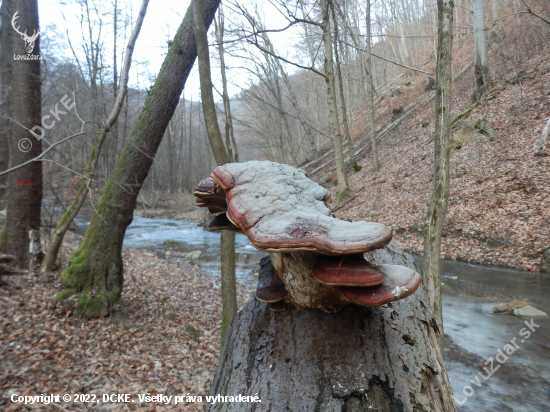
column 357, row 167
column 341, row 195
column 63, row 295
column 96, row 306
column 482, row 127
column 464, row 114
column 2, row 238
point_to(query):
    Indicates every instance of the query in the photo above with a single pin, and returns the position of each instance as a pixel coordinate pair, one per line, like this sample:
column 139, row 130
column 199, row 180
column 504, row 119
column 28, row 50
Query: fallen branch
column 6, row 270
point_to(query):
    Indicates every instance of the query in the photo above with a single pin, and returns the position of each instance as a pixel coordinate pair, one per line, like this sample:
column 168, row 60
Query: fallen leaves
column 163, row 340
column 499, row 203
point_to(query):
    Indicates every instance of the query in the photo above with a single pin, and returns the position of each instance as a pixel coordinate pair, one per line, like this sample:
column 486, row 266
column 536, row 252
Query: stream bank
column 474, row 334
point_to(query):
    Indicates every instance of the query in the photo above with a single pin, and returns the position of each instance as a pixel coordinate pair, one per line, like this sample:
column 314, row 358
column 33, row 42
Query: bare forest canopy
column 280, row 109
column 274, row 57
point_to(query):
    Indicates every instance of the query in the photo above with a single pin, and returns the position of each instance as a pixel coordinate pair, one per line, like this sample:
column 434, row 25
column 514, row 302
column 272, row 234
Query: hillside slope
column 499, row 206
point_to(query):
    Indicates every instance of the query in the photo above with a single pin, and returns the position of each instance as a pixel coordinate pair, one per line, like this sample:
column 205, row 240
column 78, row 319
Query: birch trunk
column 482, row 80
column 440, row 195
column 543, row 140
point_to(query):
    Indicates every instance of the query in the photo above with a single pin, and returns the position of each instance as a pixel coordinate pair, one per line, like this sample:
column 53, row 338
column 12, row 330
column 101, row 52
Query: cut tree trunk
column 359, row 359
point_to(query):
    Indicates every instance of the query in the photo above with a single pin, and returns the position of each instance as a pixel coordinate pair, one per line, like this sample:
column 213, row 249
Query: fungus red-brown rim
column 270, row 288
column 347, row 270
column 221, row 222
column 399, row 282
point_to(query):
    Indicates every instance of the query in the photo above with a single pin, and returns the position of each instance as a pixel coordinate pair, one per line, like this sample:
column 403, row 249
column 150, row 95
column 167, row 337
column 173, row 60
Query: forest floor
column 163, row 340
column 499, row 204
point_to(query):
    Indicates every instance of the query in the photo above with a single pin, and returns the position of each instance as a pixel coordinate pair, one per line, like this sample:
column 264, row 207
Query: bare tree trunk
column 403, row 43
column 207, row 97
column 543, row 140
column 338, row 44
column 25, row 184
column 95, row 269
column 357, row 360
column 6, row 65
column 229, row 285
column 343, row 186
column 496, row 9
column 370, row 94
column 229, row 132
column 229, row 289
column 311, row 51
column 440, row 195
column 482, row 80
column 59, row 233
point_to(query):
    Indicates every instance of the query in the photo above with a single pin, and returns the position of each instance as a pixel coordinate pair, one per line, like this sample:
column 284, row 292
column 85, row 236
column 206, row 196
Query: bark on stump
column 359, row 359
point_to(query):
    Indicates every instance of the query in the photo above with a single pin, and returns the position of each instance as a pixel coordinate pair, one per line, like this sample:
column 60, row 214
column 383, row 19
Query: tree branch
column 39, row 157
column 531, row 12
column 285, row 60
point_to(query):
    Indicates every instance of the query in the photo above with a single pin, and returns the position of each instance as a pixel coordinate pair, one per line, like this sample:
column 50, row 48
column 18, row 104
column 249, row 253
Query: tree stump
column 384, row 358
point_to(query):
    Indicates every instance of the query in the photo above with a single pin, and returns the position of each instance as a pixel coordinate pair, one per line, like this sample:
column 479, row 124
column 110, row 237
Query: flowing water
column 515, row 379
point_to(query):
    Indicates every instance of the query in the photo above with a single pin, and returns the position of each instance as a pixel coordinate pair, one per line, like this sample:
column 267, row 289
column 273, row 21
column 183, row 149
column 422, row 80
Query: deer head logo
column 29, row 40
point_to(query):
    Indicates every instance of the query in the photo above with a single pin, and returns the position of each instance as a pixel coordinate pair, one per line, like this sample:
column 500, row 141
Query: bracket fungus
column 316, row 260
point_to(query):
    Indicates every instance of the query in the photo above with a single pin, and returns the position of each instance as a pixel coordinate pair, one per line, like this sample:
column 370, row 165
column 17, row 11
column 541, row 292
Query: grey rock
column 193, row 255
column 529, row 312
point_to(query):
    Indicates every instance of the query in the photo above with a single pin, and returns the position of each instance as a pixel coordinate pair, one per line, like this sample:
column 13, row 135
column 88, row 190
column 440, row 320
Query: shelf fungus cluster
column 315, row 260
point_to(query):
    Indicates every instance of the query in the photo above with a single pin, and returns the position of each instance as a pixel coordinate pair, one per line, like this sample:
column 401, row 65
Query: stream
column 474, row 334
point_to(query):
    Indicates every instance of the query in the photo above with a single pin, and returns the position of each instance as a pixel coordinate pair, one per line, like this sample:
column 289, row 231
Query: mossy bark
column 437, row 208
column 223, row 155
column 229, row 284
column 95, row 269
